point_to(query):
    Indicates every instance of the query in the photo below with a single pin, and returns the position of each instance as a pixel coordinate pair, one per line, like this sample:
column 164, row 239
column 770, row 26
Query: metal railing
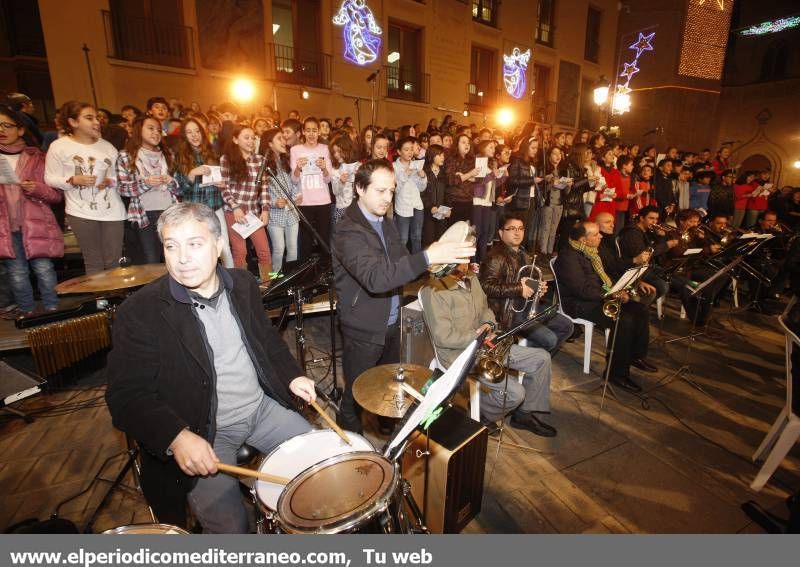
column 480, row 96
column 407, row 84
column 148, row 41
column 305, row 67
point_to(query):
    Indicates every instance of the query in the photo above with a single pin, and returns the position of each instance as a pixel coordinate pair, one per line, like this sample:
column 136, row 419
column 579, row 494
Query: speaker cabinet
column 455, row 471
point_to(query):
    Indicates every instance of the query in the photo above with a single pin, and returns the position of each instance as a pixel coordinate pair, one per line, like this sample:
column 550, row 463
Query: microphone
column 373, row 76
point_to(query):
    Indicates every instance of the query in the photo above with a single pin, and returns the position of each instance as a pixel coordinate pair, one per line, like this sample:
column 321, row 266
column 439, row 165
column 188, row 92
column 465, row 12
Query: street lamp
column 505, row 117
column 601, row 89
column 243, row 90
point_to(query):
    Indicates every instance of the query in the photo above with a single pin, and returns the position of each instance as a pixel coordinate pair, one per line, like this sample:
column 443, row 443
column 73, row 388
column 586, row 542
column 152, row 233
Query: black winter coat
column 161, row 378
column 578, row 283
column 367, row 276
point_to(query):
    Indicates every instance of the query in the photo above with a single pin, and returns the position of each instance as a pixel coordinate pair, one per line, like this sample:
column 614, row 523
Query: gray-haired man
column 197, row 370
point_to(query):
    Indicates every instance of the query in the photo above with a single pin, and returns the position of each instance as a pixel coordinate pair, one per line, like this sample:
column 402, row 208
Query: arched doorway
column 756, row 162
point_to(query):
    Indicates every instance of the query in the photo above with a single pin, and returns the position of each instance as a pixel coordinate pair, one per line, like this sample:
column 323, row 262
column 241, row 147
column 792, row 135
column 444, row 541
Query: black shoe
column 626, row 384
column 576, row 334
column 533, row 424
column 643, row 364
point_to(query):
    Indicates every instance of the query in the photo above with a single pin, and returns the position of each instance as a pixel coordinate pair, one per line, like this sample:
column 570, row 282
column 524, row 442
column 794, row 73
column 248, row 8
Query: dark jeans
column 410, row 228
column 550, row 335
column 633, row 332
column 460, row 211
column 19, row 277
column 358, row 356
column 485, row 221
column 149, row 243
column 319, row 216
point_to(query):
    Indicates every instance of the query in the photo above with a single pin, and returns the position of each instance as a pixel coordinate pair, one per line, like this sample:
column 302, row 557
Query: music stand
column 685, row 370
column 627, row 281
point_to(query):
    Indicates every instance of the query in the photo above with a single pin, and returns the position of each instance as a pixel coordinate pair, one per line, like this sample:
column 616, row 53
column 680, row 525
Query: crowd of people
column 210, row 191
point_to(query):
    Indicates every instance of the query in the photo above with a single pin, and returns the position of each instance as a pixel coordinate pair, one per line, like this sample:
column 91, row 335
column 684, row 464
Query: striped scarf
column 594, row 258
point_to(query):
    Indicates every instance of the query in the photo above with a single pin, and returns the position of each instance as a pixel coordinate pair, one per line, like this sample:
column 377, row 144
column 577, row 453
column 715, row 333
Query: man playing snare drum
column 197, row 370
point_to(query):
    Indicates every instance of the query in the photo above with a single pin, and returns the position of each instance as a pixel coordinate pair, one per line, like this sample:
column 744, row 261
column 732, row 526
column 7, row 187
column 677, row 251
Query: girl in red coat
column 606, row 192
column 29, row 233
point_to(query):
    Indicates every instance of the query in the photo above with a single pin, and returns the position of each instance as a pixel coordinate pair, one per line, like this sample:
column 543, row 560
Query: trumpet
column 611, row 308
column 663, row 228
column 531, row 305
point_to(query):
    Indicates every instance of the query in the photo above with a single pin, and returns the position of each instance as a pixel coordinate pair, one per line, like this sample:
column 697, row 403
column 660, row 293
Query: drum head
column 338, row 494
column 295, row 455
column 147, row 529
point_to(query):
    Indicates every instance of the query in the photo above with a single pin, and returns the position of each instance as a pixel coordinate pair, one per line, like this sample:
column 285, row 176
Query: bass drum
column 147, row 529
column 353, row 492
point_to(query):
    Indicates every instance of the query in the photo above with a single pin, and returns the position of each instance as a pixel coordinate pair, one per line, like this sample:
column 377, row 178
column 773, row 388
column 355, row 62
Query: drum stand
column 131, row 464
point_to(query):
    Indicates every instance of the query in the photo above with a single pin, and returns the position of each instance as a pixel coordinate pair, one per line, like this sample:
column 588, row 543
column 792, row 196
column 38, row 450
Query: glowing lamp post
column 505, row 118
column 243, row 90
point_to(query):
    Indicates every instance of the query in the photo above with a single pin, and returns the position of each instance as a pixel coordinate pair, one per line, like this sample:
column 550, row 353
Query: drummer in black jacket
column 370, row 267
column 197, row 371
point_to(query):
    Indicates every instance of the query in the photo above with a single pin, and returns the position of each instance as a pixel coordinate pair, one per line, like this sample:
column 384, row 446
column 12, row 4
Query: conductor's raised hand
column 450, row 252
column 194, row 455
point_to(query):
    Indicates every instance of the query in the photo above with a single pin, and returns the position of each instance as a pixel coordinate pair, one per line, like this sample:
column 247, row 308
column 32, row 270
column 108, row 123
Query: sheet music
column 437, row 394
column 214, row 177
column 627, row 279
column 692, row 251
column 251, row 224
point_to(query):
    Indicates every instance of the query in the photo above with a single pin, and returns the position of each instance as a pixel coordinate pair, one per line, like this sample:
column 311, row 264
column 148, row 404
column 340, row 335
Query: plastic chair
column 786, row 430
column 588, row 326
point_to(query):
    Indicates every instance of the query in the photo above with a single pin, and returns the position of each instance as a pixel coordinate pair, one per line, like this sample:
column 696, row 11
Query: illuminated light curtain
column 362, row 42
column 705, row 37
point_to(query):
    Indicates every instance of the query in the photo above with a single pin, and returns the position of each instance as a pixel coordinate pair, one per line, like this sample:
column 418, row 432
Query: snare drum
column 147, row 529
column 295, row 455
column 346, row 493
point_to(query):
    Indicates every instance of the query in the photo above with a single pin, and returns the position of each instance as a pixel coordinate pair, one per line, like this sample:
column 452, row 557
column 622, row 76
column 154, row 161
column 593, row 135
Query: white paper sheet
column 251, row 224
column 7, row 174
column 214, row 177
column 482, row 164
column 417, row 164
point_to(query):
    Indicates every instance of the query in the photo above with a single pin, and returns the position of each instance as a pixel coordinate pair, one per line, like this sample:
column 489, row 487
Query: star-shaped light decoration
column 623, row 90
column 644, row 43
column 720, row 3
column 630, row 70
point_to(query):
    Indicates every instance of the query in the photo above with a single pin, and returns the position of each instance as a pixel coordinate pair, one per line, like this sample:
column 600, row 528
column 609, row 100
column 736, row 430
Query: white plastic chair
column 786, row 430
column 588, row 326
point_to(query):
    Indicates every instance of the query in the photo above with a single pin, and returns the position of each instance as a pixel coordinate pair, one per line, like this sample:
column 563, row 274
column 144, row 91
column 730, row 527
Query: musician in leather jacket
column 498, row 275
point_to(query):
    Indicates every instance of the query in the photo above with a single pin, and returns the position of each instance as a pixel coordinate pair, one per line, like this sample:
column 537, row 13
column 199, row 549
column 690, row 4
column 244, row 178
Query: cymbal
column 378, row 391
column 110, row 280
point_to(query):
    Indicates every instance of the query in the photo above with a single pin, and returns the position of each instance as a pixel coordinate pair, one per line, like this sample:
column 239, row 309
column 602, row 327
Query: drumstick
column 332, row 423
column 411, row 391
column 241, row 471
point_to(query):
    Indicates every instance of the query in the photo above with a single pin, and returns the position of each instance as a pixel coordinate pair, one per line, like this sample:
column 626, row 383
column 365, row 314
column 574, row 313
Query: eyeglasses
column 8, row 125
column 515, row 228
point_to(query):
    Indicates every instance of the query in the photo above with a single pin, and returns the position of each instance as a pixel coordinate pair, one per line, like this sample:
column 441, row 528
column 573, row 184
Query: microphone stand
column 298, row 296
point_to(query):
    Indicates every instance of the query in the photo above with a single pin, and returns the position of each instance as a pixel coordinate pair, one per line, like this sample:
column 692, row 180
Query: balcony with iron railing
column 407, row 84
column 479, row 96
column 287, row 64
column 145, row 40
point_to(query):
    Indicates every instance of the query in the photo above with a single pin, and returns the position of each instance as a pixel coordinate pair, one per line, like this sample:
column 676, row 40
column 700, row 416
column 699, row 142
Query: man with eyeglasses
column 507, row 293
column 721, row 199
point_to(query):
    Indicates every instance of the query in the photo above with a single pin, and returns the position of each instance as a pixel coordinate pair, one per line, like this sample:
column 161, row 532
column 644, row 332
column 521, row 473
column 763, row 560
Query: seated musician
column 498, row 276
column 456, row 309
column 613, row 261
column 637, row 237
column 770, row 259
column 694, row 269
column 196, row 371
column 583, row 283
column 718, row 225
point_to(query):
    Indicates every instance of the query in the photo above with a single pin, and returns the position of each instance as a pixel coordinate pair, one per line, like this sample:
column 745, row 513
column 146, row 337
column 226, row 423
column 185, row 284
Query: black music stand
column 685, row 370
column 628, row 281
